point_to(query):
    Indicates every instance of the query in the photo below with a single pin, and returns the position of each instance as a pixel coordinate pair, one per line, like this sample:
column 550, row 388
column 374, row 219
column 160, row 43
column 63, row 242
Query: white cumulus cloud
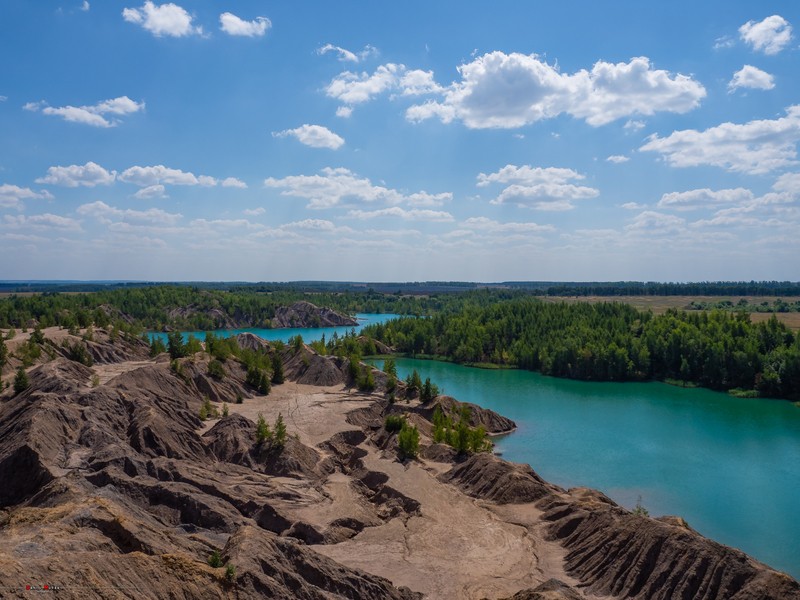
column 233, row 25
column 234, row 183
column 751, row 77
column 414, row 214
column 334, row 186
column 617, row 158
column 755, row 147
column 704, row 198
column 162, row 19
column 315, row 136
column 547, row 189
column 159, row 174
column 90, row 115
column 44, row 221
column 150, row 192
column 491, row 226
column 769, row 36
column 499, row 90
column 356, row 88
column 88, row 175
column 108, row 214
column 12, row 195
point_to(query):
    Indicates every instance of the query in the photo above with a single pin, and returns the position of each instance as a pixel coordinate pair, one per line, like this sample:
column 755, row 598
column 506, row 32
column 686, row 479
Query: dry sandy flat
column 457, row 548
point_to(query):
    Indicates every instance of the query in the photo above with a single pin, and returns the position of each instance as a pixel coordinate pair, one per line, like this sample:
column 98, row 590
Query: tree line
column 609, row 342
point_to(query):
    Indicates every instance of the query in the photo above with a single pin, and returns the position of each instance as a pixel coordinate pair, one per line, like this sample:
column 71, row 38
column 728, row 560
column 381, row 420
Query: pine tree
column 263, row 434
column 277, row 369
column 21, row 382
column 279, row 437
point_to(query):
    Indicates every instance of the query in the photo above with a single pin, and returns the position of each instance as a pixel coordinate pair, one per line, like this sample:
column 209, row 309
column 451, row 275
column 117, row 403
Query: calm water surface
column 730, row 467
column 310, row 334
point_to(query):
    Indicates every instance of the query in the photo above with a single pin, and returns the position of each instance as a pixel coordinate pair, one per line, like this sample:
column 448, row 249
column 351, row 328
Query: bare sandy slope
column 456, row 548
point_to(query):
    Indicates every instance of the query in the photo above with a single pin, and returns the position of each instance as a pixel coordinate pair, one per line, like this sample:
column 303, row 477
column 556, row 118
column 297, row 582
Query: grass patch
column 742, row 393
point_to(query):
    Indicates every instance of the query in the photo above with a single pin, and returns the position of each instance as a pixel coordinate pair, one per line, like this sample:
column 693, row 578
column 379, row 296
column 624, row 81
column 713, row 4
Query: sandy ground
column 457, row 548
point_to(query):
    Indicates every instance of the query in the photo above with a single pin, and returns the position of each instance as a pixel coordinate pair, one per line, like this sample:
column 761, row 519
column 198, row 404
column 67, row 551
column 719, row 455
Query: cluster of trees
column 609, row 342
column 186, row 307
column 459, row 434
column 264, row 368
column 654, row 288
column 744, row 305
column 274, row 438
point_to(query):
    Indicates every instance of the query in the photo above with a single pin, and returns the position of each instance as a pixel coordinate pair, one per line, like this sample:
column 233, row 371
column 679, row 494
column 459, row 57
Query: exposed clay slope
column 122, row 496
column 618, row 553
column 490, row 478
column 491, row 421
column 305, row 314
column 126, row 493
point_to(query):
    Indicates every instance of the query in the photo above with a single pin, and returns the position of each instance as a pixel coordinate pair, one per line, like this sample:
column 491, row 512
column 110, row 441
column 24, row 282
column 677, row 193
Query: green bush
column 393, row 423
column 215, row 560
column 216, row 370
column 21, row 382
column 408, row 441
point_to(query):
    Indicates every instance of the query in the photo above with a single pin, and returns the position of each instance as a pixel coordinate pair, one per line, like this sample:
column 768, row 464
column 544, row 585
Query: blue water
column 729, row 466
column 310, row 334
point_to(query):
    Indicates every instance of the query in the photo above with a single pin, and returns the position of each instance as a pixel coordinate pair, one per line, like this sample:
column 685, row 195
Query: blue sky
column 247, row 140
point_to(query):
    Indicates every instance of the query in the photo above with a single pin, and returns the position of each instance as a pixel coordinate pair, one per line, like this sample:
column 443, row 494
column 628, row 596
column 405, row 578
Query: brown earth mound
column 492, row 422
column 614, row 552
column 552, row 589
column 305, row 314
column 118, row 489
column 491, row 478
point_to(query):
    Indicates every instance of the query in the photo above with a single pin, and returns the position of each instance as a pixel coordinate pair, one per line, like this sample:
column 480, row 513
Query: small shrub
column 230, row 573
column 95, row 380
column 215, row 560
column 225, row 409
column 239, row 399
column 279, row 437
column 216, row 370
column 263, row 434
column 208, row 410
column 393, row 423
column 21, row 382
column 639, row 509
column 408, row 441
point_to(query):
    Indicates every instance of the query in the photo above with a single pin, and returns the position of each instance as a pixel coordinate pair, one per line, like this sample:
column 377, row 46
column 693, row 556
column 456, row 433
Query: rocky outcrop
column 305, row 314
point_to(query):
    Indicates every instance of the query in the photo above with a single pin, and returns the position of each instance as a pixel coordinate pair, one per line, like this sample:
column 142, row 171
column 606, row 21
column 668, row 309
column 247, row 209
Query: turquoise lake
column 274, row 335
column 730, row 467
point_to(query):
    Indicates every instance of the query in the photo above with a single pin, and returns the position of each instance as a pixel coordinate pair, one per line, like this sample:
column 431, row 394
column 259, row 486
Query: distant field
column 660, row 304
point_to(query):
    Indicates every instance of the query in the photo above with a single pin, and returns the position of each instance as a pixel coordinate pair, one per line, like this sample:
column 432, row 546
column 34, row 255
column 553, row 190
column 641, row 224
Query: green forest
column 719, row 348
column 609, row 342
column 186, row 307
